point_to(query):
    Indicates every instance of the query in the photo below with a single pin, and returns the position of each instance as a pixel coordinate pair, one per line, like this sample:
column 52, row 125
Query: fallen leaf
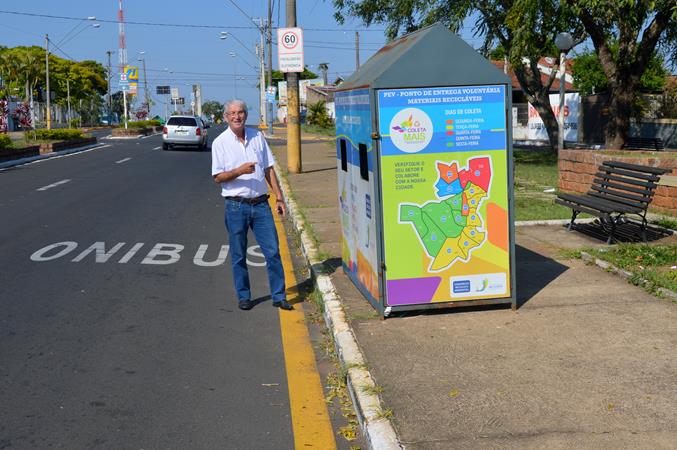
column 454, row 393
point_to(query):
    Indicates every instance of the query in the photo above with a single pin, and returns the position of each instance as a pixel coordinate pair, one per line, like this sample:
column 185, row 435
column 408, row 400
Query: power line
column 183, row 25
column 243, row 13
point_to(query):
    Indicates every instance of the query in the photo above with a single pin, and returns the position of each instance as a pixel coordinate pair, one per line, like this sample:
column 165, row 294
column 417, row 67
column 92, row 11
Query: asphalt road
column 119, row 327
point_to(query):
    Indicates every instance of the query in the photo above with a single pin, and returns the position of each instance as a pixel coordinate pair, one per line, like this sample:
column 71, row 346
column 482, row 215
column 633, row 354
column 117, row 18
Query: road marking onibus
column 155, row 254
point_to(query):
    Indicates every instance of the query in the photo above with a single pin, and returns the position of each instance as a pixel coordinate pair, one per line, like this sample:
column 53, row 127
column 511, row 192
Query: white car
column 184, row 130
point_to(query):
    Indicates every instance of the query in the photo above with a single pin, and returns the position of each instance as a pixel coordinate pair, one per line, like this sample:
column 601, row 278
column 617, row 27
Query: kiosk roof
column 432, row 56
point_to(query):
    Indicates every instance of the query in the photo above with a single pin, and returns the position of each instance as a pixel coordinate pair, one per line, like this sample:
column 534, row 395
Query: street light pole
column 110, row 101
column 233, row 55
column 49, row 112
column 145, row 84
column 564, row 42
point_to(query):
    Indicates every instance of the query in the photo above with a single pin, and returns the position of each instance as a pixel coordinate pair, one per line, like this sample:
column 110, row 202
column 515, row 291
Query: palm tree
column 31, row 69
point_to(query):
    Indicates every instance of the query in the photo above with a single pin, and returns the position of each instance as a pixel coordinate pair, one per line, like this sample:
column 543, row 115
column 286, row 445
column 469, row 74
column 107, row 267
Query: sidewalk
column 587, row 361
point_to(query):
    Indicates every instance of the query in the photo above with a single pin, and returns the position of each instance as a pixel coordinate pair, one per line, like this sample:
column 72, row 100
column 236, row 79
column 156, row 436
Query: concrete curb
column 378, row 430
column 585, row 256
column 532, row 223
column 30, row 159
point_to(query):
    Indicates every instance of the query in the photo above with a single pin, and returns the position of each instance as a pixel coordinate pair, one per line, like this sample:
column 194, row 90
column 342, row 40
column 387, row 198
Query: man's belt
column 250, row 201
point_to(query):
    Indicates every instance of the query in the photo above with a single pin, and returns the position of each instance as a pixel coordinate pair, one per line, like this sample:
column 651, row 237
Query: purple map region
column 411, row 291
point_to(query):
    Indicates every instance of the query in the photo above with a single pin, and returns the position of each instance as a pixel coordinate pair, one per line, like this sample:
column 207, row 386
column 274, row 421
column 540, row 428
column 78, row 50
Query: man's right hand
column 248, row 167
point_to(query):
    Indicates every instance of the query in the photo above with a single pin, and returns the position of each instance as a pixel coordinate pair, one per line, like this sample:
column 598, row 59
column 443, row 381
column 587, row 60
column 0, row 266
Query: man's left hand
column 281, row 208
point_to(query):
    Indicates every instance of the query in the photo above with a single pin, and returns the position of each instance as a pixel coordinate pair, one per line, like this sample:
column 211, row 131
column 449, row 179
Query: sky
column 180, row 40
column 181, row 44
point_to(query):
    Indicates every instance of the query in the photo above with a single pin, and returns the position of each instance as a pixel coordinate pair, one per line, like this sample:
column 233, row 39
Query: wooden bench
column 617, row 190
column 640, row 143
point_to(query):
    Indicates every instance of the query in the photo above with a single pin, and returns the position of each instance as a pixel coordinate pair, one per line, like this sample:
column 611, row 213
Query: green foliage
column 318, row 115
column 314, row 129
column 23, row 69
column 213, row 107
column 5, row 141
column 589, row 77
column 651, row 265
column 666, row 222
column 141, row 124
column 61, row 134
column 305, row 75
column 626, row 35
column 522, row 29
column 535, row 172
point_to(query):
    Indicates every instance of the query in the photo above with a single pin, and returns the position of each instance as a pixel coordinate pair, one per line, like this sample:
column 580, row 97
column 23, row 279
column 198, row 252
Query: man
column 242, row 163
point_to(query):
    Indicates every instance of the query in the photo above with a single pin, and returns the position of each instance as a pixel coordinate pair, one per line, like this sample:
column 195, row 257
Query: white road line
column 157, row 148
column 56, row 157
column 150, row 135
column 50, row 186
column 122, row 160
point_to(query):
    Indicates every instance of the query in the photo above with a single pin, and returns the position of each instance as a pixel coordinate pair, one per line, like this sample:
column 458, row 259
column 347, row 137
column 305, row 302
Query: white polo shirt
column 229, row 153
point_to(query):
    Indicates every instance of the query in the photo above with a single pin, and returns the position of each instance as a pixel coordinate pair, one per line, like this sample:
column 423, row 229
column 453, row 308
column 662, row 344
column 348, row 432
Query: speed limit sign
column 290, row 49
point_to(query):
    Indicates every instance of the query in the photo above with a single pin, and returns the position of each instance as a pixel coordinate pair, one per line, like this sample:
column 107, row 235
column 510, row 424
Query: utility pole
column 49, row 111
column 145, row 89
column 68, row 97
column 293, row 123
column 269, row 38
column 262, row 81
column 357, row 50
column 110, row 101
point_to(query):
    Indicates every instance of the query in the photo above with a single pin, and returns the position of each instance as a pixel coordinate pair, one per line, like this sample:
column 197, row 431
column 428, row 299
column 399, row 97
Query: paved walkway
column 587, row 360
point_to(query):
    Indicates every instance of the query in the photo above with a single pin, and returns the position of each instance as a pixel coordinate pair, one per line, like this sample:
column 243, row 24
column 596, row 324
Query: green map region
column 450, row 228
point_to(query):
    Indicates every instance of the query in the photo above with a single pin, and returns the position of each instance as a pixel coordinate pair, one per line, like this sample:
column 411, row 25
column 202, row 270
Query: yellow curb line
column 310, row 417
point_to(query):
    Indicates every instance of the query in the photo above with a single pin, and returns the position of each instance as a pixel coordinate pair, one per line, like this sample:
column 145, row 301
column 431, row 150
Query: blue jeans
column 239, row 218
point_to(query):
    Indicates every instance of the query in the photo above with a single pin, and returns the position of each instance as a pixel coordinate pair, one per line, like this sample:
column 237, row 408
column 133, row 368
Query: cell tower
column 122, row 53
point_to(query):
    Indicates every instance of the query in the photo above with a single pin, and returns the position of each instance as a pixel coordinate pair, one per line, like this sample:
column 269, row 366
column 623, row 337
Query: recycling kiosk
column 424, row 161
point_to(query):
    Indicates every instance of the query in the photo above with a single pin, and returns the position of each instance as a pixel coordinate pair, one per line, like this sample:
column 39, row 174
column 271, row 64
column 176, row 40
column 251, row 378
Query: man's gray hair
column 236, row 101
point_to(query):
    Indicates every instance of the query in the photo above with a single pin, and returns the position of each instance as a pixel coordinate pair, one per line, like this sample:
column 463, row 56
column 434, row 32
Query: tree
column 305, row 75
column 212, row 107
column 638, row 28
column 589, row 76
column 117, row 104
column 524, row 29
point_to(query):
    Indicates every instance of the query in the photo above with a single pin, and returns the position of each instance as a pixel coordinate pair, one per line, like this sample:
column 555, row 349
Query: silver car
column 184, row 130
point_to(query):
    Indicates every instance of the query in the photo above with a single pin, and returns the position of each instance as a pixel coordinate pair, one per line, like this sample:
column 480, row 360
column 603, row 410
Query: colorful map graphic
column 451, row 228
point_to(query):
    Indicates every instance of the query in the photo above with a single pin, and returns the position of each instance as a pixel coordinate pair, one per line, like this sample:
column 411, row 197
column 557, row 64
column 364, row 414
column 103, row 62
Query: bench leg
column 644, row 224
column 573, row 218
column 611, row 233
column 610, row 222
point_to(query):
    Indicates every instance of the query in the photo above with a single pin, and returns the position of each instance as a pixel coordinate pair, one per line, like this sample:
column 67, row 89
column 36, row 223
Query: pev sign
column 139, row 252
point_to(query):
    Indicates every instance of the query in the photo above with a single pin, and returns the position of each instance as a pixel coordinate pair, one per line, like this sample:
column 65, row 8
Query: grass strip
column 651, row 266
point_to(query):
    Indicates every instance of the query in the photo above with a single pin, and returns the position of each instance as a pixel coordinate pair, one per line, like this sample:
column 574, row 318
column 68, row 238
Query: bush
column 62, row 134
column 318, row 115
column 5, row 141
column 142, row 124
